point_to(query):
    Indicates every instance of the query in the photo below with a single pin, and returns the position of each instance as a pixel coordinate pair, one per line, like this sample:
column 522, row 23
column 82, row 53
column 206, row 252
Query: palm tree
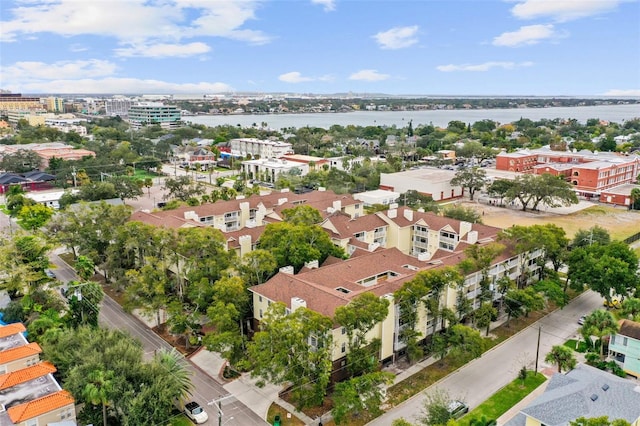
column 172, row 366
column 562, row 356
column 98, row 390
column 599, row 323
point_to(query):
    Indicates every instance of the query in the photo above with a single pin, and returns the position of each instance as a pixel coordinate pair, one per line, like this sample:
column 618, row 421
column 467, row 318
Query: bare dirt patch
column 620, row 222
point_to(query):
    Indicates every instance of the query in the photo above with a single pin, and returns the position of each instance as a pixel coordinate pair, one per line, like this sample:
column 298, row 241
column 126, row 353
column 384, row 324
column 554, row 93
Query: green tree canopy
column 293, row 245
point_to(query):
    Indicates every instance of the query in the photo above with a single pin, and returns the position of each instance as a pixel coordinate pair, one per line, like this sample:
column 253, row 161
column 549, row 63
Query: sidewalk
column 245, row 388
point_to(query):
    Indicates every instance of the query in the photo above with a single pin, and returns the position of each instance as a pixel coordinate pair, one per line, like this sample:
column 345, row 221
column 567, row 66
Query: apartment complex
column 591, row 173
column 148, row 113
column 387, row 250
column 243, row 220
column 258, row 148
column 29, row 394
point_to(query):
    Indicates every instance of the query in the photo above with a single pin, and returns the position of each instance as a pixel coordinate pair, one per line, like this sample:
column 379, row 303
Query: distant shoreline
column 441, row 117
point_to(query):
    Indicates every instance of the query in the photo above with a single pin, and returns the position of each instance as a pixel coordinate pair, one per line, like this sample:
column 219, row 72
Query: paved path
column 482, row 377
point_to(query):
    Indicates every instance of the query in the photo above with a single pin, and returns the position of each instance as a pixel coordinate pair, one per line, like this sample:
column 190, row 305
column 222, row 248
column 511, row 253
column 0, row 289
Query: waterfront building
column 149, row 113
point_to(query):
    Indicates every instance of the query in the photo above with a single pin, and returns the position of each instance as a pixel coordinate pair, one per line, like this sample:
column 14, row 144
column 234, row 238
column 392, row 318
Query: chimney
column 472, row 237
column 408, row 214
column 297, row 302
column 313, row 264
column 337, row 205
column 287, row 270
column 392, row 214
column 281, row 201
column 465, row 227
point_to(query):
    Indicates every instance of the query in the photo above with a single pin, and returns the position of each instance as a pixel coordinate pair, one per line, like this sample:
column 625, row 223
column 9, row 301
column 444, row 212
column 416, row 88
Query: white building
column 260, row 148
column 119, row 107
column 268, row 169
column 427, row 181
column 379, row 196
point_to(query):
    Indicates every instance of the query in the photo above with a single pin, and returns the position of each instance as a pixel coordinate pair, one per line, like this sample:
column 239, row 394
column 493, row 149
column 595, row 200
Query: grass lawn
column 181, row 420
column 284, row 420
column 578, row 347
column 143, row 174
column 501, row 401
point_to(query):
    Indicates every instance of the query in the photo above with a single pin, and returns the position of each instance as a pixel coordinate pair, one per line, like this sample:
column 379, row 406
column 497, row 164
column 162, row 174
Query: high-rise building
column 55, row 104
column 145, row 113
column 119, row 107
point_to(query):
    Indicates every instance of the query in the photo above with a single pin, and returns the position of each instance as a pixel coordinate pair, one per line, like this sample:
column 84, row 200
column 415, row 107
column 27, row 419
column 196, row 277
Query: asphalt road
column 206, row 389
column 481, row 378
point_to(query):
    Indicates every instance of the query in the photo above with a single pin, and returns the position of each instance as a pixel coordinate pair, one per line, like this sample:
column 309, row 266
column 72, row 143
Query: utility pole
column 538, row 347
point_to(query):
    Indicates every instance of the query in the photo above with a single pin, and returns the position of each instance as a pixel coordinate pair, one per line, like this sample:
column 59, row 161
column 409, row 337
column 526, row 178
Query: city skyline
column 447, row 48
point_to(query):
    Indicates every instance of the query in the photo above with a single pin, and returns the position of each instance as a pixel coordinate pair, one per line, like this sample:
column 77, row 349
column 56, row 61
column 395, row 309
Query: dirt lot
column 619, row 221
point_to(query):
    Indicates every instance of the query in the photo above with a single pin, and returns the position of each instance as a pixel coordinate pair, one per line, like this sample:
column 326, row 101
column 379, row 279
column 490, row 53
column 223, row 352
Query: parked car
column 457, row 409
column 581, row 319
column 615, row 303
column 195, row 412
column 49, row 273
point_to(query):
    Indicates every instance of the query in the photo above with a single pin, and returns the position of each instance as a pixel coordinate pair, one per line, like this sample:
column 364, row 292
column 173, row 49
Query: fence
column 631, row 239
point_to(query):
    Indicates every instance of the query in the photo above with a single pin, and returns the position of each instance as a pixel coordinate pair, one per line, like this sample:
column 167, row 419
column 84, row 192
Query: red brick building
column 591, row 173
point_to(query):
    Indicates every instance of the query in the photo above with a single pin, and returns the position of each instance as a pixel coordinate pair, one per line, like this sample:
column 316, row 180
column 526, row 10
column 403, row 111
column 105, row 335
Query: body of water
column 440, row 118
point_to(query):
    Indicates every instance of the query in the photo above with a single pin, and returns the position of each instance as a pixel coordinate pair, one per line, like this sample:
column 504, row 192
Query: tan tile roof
column 233, row 238
column 23, row 375
column 347, row 227
column 439, row 222
column 20, row 352
column 40, row 406
column 318, row 286
column 11, row 329
column 629, row 328
column 166, row 219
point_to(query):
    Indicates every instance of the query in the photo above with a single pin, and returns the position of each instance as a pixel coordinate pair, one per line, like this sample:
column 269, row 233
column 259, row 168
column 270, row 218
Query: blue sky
column 429, row 47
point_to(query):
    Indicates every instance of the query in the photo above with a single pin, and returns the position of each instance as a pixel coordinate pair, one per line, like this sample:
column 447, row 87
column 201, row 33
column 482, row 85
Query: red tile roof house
column 415, row 242
column 29, row 394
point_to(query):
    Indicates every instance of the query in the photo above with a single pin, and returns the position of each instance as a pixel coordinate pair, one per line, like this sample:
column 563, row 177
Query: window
column 32, row 422
column 260, row 298
column 260, row 313
column 66, row 413
column 359, row 236
column 624, row 341
column 343, row 348
column 343, row 331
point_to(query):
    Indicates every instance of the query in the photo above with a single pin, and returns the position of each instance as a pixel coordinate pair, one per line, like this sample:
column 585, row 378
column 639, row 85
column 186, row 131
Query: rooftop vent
column 605, row 387
column 594, row 397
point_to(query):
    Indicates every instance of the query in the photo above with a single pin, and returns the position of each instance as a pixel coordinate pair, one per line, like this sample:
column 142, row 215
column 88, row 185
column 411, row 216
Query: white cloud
column 527, row 35
column 368, row 75
column 119, row 85
column 134, row 21
column 397, row 38
column 30, row 71
column 622, row 92
column 329, row 5
column 562, row 10
column 163, row 50
column 294, row 77
column 483, row 67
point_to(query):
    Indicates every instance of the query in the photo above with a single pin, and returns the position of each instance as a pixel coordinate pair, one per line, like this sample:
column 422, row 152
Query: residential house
column 624, row 347
column 584, row 391
column 29, row 394
column 260, row 148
